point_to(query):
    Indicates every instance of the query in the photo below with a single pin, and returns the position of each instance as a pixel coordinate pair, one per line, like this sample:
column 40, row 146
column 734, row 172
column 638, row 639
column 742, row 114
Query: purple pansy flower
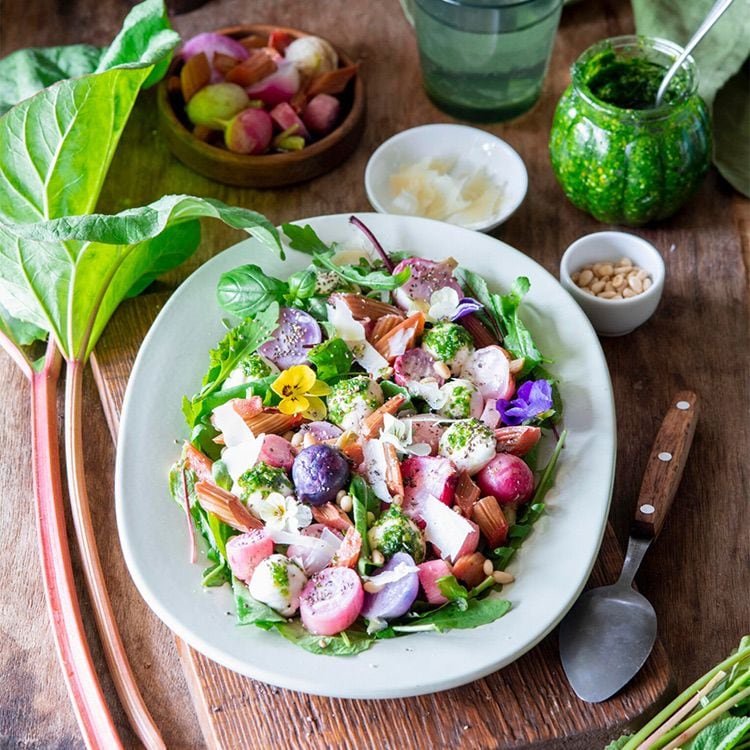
column 533, row 398
column 465, row 306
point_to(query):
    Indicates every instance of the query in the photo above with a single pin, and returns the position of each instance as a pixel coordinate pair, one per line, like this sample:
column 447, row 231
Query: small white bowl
column 473, row 150
column 614, row 317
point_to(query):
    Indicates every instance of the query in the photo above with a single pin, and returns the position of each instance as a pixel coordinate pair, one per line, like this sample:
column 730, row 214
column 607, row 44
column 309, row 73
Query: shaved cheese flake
column 231, row 425
column 381, row 580
column 353, row 334
column 444, row 528
column 375, row 469
column 441, row 190
column 242, row 457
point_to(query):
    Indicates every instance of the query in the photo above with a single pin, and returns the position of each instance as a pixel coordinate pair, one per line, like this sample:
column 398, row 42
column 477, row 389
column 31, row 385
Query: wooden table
column 696, row 575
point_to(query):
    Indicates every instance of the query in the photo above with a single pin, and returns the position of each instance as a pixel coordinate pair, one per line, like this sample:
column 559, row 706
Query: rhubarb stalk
column 85, row 693
column 119, row 666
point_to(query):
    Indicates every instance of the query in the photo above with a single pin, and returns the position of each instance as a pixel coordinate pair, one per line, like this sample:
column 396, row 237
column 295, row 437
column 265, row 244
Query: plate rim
column 291, row 681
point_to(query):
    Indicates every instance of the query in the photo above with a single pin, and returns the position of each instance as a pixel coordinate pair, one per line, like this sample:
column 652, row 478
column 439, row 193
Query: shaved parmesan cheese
column 448, row 532
column 231, row 425
column 381, row 580
column 375, row 469
column 242, row 457
column 441, row 190
column 353, row 334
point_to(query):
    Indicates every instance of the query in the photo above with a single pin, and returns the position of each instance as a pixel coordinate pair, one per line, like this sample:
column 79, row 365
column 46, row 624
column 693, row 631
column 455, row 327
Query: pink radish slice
column 489, row 369
column 415, row 364
column 427, row 276
column 285, row 117
column 429, row 572
column 427, row 476
column 313, row 560
column 395, row 597
column 322, row 431
column 276, row 451
column 280, row 86
column 322, row 113
column 249, row 132
column 427, row 431
column 331, row 601
column 210, row 43
column 290, row 343
column 245, row 551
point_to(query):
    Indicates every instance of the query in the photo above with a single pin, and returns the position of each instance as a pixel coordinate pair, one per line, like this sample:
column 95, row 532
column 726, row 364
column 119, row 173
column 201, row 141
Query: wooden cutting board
column 529, row 704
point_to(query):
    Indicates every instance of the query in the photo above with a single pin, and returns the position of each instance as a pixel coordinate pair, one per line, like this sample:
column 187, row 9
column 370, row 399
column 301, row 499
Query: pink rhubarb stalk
column 85, row 692
column 119, row 666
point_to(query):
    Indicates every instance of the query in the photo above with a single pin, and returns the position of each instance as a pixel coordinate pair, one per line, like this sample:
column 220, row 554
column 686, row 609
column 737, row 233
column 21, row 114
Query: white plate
column 553, row 564
column 472, row 149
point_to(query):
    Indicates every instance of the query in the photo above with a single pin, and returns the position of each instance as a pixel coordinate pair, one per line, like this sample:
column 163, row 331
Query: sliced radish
column 427, row 276
column 489, row 369
column 427, row 430
column 322, row 113
column 290, row 343
column 210, row 44
column 415, row 364
column 285, row 117
column 451, row 535
column 397, row 586
column 314, row 559
column 249, row 132
column 429, row 572
column 321, row 431
column 331, row 601
column 245, row 551
column 507, row 478
column 277, row 451
column 424, row 477
column 280, row 86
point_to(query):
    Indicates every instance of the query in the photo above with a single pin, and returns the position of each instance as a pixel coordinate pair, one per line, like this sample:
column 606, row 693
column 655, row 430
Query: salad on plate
column 362, row 454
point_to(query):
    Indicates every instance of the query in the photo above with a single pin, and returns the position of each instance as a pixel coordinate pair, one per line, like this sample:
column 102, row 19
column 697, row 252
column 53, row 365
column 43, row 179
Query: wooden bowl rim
column 279, row 160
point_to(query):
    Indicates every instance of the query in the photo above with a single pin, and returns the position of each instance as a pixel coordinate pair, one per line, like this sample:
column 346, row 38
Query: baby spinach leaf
column 452, row 617
column 252, row 612
column 332, row 358
column 247, row 290
column 348, row 643
column 304, row 239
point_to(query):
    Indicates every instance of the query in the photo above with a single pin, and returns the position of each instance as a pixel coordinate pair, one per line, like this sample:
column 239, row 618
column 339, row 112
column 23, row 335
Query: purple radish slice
column 489, row 369
column 290, row 343
column 322, row 113
column 318, row 473
column 387, row 262
column 425, row 477
column 427, row 276
column 415, row 364
column 314, row 559
column 331, row 601
column 245, row 551
column 279, row 87
column 396, row 595
column 427, row 431
column 210, row 43
column 277, row 451
column 285, row 117
column 322, row 431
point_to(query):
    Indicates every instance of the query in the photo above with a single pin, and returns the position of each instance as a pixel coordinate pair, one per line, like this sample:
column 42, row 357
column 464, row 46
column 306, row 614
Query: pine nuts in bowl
column 616, row 277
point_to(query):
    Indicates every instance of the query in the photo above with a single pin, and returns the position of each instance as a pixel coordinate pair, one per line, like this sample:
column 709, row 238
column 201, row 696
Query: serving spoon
column 610, row 631
column 713, row 16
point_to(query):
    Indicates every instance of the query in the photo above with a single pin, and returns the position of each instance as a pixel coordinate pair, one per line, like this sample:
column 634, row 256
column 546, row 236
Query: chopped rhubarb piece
column 286, row 119
column 332, row 516
column 198, row 462
column 224, row 63
column 401, row 337
column 517, row 440
column 467, row 493
column 489, row 516
column 332, row 82
column 257, row 67
column 470, row 569
column 195, row 74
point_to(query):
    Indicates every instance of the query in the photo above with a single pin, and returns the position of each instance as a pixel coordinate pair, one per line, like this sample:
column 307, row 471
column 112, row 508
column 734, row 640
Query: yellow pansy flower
column 300, row 392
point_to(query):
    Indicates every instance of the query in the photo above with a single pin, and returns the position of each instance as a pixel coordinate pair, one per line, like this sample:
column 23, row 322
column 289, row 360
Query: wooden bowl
column 268, row 170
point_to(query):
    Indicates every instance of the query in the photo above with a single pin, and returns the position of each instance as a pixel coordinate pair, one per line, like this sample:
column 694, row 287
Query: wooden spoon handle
column 665, row 464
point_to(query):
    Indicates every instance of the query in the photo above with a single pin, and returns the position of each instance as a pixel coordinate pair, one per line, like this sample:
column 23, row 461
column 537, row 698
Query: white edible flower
column 398, row 433
column 443, row 304
column 281, row 513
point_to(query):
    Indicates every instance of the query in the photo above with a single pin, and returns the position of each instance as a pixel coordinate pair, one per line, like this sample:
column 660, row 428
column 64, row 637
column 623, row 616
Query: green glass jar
column 615, row 154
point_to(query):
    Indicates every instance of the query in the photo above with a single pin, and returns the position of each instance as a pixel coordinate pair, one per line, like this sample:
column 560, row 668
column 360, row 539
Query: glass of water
column 484, row 60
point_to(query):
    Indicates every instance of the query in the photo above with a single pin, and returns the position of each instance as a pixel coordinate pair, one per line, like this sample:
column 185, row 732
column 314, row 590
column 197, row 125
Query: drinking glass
column 484, row 60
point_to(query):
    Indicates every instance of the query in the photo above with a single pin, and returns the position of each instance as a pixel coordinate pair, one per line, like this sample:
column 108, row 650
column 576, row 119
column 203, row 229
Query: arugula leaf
column 367, row 276
column 305, row 240
column 452, row 617
column 246, row 290
column 252, row 612
column 332, row 359
column 453, row 591
column 348, row 643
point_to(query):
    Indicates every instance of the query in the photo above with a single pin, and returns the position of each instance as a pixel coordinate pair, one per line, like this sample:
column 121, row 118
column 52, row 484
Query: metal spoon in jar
column 608, row 634
column 713, row 16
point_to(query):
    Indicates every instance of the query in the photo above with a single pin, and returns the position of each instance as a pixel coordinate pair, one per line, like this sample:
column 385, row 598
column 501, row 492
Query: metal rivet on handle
column 647, row 509
column 665, row 456
column 684, row 405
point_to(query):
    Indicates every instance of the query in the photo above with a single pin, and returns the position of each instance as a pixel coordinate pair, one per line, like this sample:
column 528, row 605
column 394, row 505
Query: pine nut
column 339, row 495
column 346, row 503
column 642, row 274
column 488, row 568
column 501, row 576
column 377, row 557
column 597, row 269
column 609, row 287
column 618, row 281
column 607, row 295
column 371, row 587
column 607, row 269
column 625, row 262
column 647, row 284
column 308, row 440
column 627, row 293
column 575, row 276
column 597, row 286
column 442, row 370
column 635, row 284
column 586, row 277
column 622, row 269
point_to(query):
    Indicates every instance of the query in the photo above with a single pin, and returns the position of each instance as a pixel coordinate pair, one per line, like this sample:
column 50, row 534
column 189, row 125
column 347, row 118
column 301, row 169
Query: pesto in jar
column 614, row 153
